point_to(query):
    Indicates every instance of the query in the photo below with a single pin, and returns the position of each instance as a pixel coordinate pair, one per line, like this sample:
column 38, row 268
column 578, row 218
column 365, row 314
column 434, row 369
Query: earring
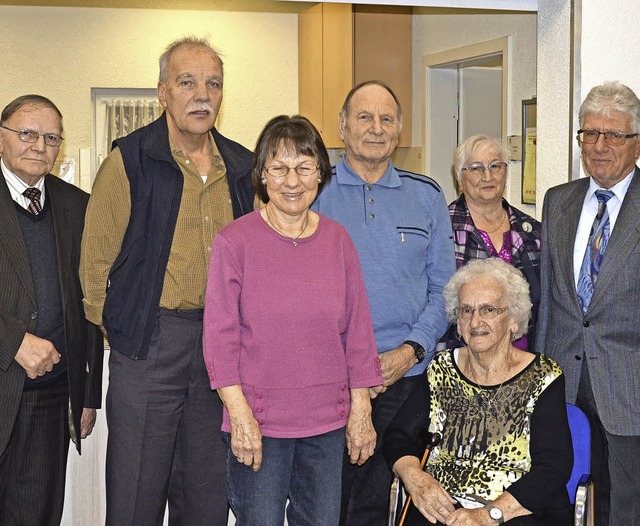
column 319, row 179
column 263, row 180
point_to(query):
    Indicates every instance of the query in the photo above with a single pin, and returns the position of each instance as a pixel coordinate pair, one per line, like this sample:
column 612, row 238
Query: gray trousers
column 164, row 432
column 615, row 465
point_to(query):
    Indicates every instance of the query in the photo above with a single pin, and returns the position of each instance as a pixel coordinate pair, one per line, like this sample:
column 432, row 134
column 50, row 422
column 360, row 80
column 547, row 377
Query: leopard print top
column 485, row 430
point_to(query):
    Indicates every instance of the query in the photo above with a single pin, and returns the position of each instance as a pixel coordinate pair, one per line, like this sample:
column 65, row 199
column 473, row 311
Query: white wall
column 436, row 30
column 62, row 52
column 553, row 141
column 608, row 47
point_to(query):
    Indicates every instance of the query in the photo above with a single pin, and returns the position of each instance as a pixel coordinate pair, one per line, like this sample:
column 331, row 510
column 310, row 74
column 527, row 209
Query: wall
column 436, row 30
column 553, row 140
column 62, row 52
column 605, row 41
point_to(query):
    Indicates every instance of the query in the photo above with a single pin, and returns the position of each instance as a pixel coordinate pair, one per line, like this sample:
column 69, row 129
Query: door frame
column 468, row 55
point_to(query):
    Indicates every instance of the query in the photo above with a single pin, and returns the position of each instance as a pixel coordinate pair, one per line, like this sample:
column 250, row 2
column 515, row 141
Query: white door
column 463, row 97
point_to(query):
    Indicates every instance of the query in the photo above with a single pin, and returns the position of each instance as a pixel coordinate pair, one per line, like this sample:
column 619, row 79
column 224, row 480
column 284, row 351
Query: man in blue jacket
column 158, row 201
column 400, row 225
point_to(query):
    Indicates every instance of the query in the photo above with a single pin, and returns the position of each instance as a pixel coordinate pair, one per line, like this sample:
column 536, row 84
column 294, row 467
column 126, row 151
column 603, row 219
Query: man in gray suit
column 590, row 306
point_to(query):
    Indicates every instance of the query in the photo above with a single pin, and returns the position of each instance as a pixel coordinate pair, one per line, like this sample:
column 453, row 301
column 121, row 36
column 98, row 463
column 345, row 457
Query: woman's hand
column 361, row 436
column 509, row 506
column 476, row 517
column 246, row 438
column 428, row 495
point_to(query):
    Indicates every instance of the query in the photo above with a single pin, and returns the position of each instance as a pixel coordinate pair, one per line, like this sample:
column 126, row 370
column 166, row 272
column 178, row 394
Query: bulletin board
column 529, row 151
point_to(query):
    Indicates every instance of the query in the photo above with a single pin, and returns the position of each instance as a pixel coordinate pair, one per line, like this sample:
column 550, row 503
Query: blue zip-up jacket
column 137, row 275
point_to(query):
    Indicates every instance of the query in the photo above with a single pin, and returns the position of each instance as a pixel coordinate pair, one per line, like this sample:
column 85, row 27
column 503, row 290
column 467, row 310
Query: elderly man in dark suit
column 590, row 314
column 50, row 356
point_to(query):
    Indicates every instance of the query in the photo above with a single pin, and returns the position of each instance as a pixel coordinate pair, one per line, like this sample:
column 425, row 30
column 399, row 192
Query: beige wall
column 62, row 52
column 436, row 30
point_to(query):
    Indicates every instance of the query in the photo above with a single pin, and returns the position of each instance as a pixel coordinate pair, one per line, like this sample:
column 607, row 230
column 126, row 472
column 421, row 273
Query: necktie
column 33, row 194
column 598, row 239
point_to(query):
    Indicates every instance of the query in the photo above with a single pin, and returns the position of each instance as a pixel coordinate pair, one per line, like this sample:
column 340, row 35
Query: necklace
column 295, row 239
column 499, row 226
column 490, row 400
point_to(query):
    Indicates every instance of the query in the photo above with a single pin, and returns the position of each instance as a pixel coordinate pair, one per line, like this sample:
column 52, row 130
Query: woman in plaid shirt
column 486, row 225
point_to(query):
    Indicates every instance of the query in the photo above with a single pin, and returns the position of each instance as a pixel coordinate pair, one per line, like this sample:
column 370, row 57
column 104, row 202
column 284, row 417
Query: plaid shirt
column 525, row 247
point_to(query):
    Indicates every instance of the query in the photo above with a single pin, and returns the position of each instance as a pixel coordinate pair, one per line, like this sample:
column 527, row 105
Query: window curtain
column 125, row 116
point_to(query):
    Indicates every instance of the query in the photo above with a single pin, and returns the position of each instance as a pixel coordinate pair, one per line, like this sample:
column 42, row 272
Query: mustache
column 200, row 106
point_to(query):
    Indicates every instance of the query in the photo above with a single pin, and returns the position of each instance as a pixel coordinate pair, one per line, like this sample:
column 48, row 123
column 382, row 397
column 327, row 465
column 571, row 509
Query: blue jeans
column 307, row 471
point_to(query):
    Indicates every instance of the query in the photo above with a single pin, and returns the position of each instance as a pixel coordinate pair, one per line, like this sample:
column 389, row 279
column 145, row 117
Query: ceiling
column 270, row 6
column 274, row 6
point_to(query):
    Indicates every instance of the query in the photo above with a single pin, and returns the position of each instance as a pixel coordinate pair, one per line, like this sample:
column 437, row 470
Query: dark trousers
column 615, row 465
column 164, row 432
column 33, row 467
column 365, row 489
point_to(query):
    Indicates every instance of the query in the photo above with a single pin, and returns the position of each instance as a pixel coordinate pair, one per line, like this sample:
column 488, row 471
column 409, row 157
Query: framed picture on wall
column 529, row 151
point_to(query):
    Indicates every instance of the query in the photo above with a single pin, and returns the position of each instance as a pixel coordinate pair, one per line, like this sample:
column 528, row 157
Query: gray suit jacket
column 608, row 335
column 83, row 340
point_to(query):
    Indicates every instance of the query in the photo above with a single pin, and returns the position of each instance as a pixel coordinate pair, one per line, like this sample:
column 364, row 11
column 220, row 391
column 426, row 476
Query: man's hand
column 87, row 421
column 36, row 356
column 375, row 391
column 396, row 362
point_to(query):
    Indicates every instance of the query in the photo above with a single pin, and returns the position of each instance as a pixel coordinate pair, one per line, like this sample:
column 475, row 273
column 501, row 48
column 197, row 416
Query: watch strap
column 418, row 350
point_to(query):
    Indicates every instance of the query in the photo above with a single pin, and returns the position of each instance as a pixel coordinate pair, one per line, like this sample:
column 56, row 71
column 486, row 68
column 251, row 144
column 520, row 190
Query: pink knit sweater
column 291, row 324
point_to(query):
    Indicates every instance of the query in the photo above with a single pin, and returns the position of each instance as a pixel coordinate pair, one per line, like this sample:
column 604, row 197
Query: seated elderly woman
column 486, row 225
column 506, row 453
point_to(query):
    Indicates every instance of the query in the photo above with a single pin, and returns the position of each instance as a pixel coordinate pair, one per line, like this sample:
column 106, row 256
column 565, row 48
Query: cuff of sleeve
column 93, row 313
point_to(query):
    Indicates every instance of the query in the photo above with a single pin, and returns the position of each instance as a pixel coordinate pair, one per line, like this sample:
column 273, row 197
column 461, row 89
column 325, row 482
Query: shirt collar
column 17, row 185
column 346, row 175
column 619, row 189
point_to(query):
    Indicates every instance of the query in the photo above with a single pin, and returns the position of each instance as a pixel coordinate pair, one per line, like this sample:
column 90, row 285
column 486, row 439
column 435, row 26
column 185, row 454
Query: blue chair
column 580, row 485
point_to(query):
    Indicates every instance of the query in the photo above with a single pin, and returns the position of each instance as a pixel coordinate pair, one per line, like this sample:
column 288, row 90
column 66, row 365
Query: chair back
column 581, row 438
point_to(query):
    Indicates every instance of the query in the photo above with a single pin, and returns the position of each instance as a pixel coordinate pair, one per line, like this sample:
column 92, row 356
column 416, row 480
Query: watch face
column 495, row 513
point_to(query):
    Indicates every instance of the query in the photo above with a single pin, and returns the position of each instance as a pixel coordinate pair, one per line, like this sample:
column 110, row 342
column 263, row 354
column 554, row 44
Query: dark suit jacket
column 608, row 335
column 84, row 343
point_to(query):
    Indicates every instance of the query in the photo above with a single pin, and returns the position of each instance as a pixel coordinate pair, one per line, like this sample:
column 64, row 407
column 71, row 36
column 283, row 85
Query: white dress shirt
column 589, row 211
column 17, row 186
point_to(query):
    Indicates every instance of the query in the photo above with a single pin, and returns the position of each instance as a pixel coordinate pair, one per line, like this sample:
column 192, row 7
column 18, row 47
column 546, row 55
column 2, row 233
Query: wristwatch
column 418, row 350
column 496, row 514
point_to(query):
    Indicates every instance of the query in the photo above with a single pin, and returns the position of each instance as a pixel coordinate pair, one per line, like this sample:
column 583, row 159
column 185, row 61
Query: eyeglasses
column 278, row 171
column 486, row 312
column 50, row 139
column 494, row 168
column 612, row 138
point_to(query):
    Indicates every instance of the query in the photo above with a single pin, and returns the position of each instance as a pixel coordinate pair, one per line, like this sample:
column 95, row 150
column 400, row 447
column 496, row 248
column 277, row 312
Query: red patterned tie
column 33, row 194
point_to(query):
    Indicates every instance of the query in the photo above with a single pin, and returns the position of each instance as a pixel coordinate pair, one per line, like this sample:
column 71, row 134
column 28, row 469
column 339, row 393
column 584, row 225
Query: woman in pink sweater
column 288, row 340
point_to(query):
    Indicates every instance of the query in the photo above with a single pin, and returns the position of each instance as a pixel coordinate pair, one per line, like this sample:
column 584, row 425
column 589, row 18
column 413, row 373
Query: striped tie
column 598, row 239
column 33, row 194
